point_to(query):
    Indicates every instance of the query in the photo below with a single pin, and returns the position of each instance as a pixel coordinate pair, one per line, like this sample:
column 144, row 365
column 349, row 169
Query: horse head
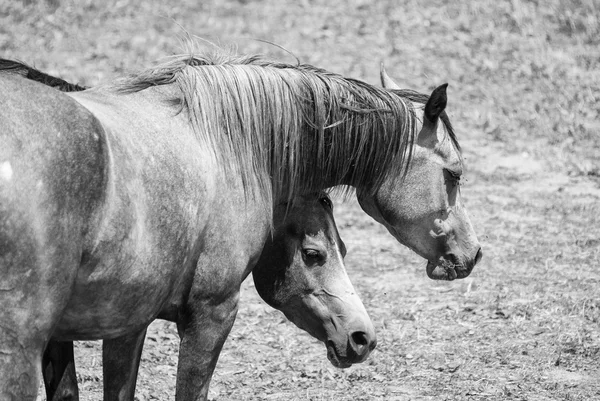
column 301, row 272
column 422, row 208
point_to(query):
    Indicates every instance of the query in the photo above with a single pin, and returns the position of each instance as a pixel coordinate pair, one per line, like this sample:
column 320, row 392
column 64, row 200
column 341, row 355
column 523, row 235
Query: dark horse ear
column 436, row 103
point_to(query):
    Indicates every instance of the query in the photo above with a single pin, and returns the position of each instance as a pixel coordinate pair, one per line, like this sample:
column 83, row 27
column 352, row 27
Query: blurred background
column 524, row 97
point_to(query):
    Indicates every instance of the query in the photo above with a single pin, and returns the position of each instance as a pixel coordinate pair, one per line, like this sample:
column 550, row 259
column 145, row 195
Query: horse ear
column 436, row 103
column 386, row 81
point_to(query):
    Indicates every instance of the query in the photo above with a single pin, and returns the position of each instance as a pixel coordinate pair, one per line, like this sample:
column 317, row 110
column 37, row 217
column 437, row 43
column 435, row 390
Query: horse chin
column 334, row 358
column 443, row 270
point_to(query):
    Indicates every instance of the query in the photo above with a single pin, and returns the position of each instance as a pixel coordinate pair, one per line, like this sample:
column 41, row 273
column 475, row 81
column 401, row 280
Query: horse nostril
column 360, row 338
column 360, row 342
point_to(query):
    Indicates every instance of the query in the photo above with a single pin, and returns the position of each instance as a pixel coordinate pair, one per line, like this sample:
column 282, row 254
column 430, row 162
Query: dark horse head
column 301, row 272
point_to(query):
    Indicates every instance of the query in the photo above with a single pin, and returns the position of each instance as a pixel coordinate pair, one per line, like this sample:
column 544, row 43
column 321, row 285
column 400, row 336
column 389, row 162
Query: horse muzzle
column 358, row 347
column 448, row 267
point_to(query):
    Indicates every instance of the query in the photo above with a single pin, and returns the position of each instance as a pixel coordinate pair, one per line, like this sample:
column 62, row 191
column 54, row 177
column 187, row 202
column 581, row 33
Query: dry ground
column 524, row 96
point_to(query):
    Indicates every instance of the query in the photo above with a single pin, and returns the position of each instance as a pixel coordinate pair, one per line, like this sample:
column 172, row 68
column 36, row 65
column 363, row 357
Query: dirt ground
column 524, row 97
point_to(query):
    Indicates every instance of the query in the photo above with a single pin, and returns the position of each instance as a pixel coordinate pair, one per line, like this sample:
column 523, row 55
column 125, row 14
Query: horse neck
column 345, row 155
column 290, row 130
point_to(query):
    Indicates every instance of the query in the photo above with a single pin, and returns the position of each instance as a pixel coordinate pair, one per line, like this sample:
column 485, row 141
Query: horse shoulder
column 151, row 231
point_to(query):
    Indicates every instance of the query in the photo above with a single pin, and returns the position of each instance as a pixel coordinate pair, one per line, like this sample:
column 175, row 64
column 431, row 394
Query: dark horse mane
column 38, row 76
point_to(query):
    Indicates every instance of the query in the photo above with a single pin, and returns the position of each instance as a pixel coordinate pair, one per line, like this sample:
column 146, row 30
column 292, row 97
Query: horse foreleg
column 29, row 307
column 58, row 370
column 204, row 327
column 19, row 365
column 121, row 360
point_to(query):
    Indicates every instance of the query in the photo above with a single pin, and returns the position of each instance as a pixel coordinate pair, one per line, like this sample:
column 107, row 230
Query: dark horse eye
column 311, row 255
column 326, row 201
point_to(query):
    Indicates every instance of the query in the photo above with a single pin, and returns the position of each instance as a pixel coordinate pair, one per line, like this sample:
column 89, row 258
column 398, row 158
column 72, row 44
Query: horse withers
column 126, row 202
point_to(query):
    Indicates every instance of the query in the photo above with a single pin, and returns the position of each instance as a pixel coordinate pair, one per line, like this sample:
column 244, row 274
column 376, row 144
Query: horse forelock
column 288, row 129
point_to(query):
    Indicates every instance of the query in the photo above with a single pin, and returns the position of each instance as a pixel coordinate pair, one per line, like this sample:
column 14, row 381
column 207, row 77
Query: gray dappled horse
column 153, row 196
column 300, row 272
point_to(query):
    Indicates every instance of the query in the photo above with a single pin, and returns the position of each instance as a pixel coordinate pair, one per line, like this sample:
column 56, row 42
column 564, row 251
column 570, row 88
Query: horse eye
column 312, row 255
column 326, row 201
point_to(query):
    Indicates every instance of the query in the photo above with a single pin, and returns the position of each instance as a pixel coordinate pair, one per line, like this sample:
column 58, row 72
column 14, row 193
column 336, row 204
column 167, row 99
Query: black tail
column 38, row 76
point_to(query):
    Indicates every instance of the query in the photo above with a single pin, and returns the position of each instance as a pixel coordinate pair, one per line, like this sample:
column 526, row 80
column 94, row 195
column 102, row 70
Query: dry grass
column 524, row 95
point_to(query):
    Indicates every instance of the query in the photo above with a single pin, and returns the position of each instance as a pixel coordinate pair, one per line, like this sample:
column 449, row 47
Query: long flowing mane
column 288, row 129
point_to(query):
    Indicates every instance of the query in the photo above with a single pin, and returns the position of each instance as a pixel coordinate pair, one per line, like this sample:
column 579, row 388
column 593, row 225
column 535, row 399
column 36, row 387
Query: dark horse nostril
column 360, row 342
column 360, row 338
